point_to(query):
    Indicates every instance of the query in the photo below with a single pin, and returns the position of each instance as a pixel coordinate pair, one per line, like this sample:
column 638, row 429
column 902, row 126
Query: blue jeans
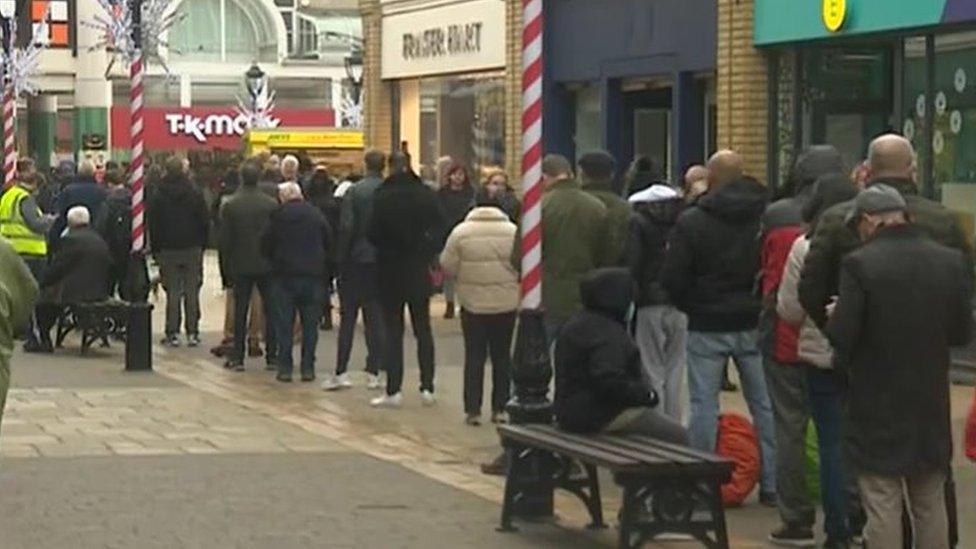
column 304, row 295
column 826, row 406
column 708, row 353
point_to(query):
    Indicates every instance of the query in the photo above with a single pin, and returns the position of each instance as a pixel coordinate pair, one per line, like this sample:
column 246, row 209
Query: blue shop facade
column 633, row 77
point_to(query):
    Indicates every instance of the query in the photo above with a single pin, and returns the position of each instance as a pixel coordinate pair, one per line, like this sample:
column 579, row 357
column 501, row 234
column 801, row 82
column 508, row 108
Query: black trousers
column 393, row 356
column 358, row 290
column 484, row 335
column 243, row 287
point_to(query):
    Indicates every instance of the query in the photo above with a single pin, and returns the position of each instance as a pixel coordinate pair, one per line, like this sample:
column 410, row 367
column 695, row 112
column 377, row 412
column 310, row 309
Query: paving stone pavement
column 94, row 457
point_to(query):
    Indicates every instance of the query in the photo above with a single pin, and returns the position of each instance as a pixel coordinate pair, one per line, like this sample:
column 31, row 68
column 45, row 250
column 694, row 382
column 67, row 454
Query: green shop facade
column 842, row 72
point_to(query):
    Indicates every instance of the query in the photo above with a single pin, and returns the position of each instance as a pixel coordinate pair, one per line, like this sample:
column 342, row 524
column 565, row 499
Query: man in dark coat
column 178, row 225
column 710, row 273
column 904, row 300
column 891, row 160
column 661, row 329
column 244, row 219
column 297, row 244
column 83, row 191
column 114, row 224
column 596, row 172
column 407, row 229
column 785, row 374
column 81, row 265
column 598, row 368
column 358, row 286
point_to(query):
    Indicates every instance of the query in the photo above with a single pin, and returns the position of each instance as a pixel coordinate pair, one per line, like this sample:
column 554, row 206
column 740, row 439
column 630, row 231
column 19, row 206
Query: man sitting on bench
column 599, row 387
column 81, row 264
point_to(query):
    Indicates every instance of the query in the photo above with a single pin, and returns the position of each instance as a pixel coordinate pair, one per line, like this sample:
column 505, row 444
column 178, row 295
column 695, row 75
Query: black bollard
column 138, row 338
column 532, row 371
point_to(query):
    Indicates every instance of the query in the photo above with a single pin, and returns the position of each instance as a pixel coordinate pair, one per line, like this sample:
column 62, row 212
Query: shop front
column 635, row 78
column 444, row 64
column 845, row 72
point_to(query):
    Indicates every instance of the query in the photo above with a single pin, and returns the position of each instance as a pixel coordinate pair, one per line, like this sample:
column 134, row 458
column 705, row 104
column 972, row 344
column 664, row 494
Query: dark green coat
column 832, row 240
column 243, row 220
column 574, row 236
column 18, row 291
column 618, row 218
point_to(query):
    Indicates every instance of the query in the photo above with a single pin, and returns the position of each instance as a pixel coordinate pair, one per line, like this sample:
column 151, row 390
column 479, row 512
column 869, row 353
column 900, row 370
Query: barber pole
column 532, row 154
column 138, row 204
column 9, row 138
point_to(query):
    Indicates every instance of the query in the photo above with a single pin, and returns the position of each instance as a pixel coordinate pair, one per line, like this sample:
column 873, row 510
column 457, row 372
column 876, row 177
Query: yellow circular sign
column 834, row 14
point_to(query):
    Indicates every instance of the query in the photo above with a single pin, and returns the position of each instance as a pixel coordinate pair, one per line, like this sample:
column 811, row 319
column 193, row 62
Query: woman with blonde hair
column 497, row 188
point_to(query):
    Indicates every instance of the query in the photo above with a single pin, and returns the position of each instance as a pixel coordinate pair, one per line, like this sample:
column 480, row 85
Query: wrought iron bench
column 95, row 321
column 667, row 488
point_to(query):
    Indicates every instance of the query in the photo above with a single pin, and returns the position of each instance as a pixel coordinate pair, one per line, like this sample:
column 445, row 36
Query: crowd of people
column 836, row 299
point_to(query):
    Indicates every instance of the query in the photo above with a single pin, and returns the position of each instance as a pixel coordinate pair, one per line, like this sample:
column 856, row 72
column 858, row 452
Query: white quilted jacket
column 478, row 255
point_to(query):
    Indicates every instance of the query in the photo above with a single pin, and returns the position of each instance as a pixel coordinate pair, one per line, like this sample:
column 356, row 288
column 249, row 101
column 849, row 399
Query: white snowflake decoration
column 259, row 111
column 22, row 65
column 352, row 111
column 116, row 26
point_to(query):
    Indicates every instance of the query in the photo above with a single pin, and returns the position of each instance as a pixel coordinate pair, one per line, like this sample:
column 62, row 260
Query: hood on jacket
column 661, row 203
column 815, row 162
column 486, row 213
column 829, row 190
column 609, row 291
column 740, row 201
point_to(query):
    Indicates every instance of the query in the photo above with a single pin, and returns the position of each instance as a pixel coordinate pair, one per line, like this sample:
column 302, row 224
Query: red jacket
column 775, row 252
column 971, row 432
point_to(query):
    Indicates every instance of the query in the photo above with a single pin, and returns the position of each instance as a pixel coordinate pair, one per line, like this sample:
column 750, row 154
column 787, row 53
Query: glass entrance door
column 652, row 136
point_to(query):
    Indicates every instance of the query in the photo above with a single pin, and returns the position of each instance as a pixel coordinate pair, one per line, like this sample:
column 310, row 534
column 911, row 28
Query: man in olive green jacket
column 574, row 241
column 18, row 290
column 597, row 170
column 891, row 160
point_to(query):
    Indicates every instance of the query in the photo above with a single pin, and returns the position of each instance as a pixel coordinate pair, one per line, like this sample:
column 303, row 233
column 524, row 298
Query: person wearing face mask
column 599, row 387
column 904, row 299
column 498, row 189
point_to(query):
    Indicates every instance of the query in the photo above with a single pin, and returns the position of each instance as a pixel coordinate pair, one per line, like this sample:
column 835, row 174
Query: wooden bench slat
column 546, row 441
column 671, row 451
column 682, row 465
column 692, row 453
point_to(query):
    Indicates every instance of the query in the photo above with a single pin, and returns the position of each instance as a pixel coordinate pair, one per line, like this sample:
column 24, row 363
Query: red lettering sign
column 204, row 128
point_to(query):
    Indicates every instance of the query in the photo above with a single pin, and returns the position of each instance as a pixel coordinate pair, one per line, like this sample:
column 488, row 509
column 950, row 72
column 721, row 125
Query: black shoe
column 792, row 535
column 728, row 386
column 232, row 364
column 836, row 544
column 325, row 324
column 308, row 379
column 767, row 499
column 284, row 378
column 497, row 467
column 39, row 348
column 449, row 311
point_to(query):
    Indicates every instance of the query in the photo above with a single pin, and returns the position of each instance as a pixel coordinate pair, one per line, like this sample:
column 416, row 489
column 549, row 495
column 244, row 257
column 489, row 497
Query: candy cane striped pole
column 9, row 137
column 136, row 72
column 532, row 154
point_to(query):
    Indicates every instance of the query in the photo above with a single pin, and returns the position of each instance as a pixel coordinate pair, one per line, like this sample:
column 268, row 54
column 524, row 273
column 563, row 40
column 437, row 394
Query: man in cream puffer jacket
column 477, row 255
column 824, row 388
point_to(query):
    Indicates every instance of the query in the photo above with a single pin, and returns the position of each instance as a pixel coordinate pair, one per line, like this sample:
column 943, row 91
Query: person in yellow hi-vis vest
column 24, row 225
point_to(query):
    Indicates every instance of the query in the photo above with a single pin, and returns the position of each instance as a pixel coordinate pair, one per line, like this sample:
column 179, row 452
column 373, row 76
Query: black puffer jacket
column 598, row 367
column 647, row 245
column 713, row 259
column 178, row 216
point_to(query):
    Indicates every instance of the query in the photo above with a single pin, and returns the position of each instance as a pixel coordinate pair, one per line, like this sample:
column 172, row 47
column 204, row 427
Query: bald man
column 709, row 273
column 696, row 182
column 892, row 161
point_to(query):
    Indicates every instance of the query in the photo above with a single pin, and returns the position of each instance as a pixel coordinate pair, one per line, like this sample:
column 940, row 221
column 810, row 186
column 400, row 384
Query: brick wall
column 378, row 130
column 513, row 92
column 741, row 86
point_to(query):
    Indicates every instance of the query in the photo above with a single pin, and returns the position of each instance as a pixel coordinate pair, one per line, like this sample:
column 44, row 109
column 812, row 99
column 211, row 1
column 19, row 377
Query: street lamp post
column 354, row 70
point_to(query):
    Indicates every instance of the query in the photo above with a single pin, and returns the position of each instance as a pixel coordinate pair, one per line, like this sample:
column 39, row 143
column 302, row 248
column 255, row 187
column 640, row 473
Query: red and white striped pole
column 137, row 72
column 9, row 136
column 532, row 154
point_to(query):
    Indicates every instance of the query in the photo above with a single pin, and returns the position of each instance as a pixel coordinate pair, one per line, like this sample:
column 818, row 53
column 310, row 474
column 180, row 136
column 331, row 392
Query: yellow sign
column 306, row 139
column 834, row 14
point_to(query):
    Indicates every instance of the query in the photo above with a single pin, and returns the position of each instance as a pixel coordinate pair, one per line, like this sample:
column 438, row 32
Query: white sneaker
column 387, row 401
column 374, row 382
column 427, row 398
column 334, row 383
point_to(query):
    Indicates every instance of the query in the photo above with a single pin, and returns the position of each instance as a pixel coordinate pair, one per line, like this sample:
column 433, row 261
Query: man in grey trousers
column 662, row 330
column 178, row 224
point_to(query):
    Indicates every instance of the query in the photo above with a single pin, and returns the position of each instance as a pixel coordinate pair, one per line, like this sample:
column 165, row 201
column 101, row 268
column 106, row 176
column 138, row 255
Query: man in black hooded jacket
column 598, row 367
column 710, row 273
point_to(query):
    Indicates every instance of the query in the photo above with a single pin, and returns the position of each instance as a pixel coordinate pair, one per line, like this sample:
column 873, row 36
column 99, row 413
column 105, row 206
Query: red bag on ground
column 971, row 432
column 737, row 441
